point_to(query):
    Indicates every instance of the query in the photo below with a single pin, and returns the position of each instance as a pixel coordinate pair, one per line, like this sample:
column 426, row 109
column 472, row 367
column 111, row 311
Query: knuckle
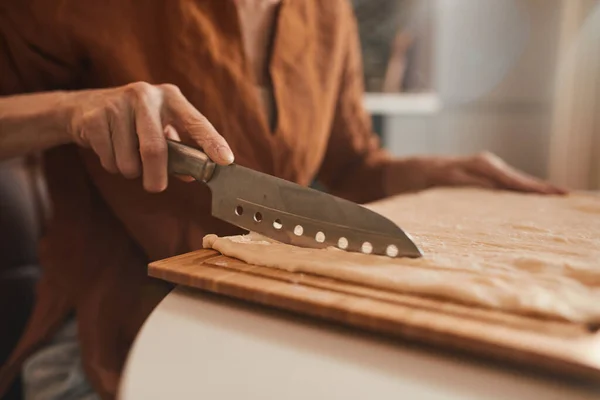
column 169, row 88
column 153, row 149
column 486, row 156
column 483, row 159
column 482, row 156
column 140, row 91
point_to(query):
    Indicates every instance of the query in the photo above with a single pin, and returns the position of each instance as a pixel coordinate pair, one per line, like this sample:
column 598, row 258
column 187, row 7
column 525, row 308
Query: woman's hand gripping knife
column 126, row 127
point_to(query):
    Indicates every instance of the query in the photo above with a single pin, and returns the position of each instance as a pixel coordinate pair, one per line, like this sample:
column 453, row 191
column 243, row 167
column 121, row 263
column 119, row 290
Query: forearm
column 34, row 122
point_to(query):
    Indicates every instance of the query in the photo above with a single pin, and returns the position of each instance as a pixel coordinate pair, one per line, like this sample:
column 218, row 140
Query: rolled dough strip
column 518, row 253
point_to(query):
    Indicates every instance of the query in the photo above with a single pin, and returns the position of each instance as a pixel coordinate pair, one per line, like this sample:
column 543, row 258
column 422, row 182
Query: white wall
column 494, row 65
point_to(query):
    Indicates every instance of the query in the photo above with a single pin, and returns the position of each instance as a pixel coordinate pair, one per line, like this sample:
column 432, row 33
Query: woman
column 278, row 84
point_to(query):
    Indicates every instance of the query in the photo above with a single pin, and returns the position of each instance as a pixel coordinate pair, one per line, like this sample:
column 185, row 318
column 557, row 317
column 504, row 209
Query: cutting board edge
column 391, row 328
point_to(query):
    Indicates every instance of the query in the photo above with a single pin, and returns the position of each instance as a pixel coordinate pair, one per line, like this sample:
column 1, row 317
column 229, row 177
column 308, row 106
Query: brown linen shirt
column 105, row 228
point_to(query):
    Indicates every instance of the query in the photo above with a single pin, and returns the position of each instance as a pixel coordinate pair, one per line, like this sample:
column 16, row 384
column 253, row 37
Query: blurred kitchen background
column 520, row 78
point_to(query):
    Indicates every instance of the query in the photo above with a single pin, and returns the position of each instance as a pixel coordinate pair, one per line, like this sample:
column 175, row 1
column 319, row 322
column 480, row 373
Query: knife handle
column 186, row 160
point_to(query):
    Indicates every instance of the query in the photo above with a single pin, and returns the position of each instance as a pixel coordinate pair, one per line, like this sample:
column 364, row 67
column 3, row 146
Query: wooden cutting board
column 548, row 345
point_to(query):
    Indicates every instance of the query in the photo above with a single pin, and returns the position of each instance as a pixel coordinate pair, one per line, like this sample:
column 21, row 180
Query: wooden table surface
column 200, row 346
column 204, row 345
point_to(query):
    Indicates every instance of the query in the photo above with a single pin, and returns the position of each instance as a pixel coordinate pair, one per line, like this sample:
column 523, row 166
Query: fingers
column 127, row 127
column 95, row 132
column 461, row 177
column 516, row 180
column 558, row 190
column 189, row 121
column 492, row 167
column 152, row 142
column 125, row 142
column 171, row 133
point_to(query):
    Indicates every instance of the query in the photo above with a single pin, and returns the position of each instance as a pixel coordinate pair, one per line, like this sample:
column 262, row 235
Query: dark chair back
column 21, row 198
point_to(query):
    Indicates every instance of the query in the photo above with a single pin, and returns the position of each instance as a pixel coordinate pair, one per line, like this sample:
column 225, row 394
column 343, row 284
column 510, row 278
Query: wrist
column 48, row 114
column 416, row 174
column 406, row 175
column 34, row 122
column 65, row 105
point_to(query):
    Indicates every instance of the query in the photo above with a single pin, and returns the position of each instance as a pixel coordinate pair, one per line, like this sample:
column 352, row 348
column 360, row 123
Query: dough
column 520, row 253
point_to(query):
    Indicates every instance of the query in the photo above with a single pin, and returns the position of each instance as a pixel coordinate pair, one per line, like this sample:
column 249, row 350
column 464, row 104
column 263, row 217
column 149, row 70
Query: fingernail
column 225, row 154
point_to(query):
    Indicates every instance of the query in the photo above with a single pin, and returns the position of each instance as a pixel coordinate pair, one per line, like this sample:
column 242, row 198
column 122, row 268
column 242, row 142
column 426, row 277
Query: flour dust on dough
column 519, row 253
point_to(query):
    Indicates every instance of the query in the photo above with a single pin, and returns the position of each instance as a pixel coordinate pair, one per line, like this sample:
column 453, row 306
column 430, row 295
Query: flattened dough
column 519, row 253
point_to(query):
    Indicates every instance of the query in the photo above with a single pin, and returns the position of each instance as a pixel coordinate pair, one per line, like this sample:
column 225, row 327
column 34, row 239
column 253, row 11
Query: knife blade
column 288, row 212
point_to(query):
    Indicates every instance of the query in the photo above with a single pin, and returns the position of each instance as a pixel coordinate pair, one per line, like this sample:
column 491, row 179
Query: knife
column 287, row 212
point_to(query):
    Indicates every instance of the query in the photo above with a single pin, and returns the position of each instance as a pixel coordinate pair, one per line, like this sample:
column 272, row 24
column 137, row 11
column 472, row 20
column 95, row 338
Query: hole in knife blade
column 367, row 248
column 391, row 251
column 343, row 243
column 277, row 224
column 258, row 217
column 239, row 210
column 320, row 237
column 298, row 230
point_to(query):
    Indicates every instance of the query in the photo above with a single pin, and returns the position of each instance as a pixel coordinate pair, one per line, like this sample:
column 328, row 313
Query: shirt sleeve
column 354, row 164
